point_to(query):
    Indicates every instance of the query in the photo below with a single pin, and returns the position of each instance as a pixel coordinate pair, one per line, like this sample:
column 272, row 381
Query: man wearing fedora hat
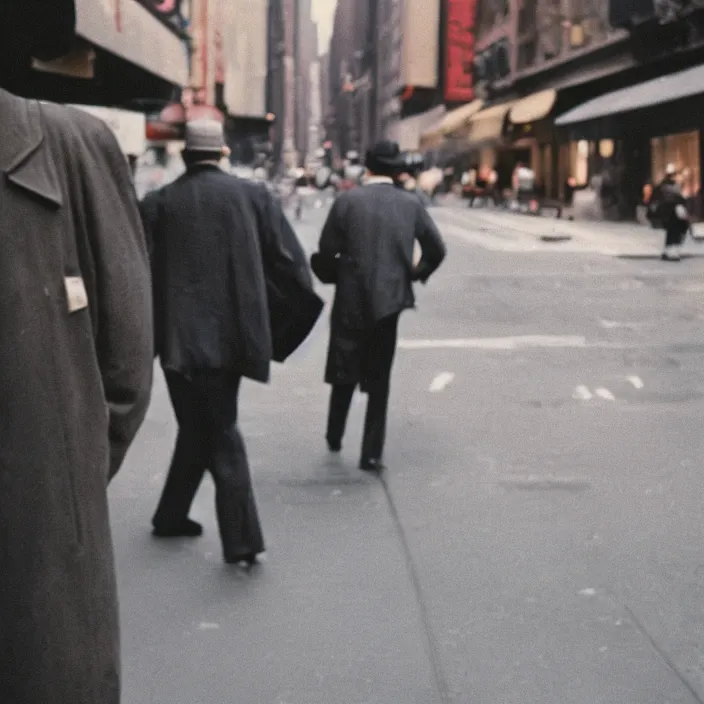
column 232, row 292
column 367, row 250
column 75, row 374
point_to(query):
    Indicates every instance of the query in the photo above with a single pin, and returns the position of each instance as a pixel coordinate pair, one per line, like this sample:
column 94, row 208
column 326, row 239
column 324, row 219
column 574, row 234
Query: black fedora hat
column 384, row 158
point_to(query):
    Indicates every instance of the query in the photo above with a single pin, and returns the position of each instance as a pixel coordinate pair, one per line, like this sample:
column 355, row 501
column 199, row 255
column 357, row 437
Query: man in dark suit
column 232, row 291
column 366, row 250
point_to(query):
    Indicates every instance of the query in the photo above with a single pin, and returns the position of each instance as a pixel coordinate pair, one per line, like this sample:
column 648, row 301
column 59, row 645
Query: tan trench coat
column 75, row 376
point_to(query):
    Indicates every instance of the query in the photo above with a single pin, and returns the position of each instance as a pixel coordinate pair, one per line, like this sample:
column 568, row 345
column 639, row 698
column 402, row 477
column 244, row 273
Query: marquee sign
column 459, row 51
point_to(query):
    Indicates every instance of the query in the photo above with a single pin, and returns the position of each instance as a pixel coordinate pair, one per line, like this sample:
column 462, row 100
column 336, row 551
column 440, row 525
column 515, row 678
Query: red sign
column 459, row 51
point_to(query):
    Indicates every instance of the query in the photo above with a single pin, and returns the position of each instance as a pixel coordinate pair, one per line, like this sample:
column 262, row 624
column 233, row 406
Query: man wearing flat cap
column 367, row 251
column 75, row 374
column 232, row 292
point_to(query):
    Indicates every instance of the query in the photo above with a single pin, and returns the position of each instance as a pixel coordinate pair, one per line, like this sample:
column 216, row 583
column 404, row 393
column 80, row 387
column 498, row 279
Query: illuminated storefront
column 683, row 150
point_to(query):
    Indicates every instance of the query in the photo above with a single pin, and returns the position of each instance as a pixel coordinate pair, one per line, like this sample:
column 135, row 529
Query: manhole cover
column 555, row 238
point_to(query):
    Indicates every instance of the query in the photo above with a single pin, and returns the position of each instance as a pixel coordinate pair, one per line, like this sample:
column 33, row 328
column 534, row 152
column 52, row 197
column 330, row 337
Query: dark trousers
column 674, row 235
column 380, row 348
column 208, row 439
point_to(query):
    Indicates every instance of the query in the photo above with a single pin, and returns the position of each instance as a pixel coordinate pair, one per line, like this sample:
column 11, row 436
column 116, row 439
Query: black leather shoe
column 245, row 561
column 372, row 465
column 187, row 529
column 334, row 446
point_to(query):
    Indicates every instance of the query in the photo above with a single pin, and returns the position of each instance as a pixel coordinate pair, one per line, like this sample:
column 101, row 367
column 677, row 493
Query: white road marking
column 582, row 393
column 605, row 394
column 441, row 382
column 208, row 626
column 497, row 343
column 620, row 325
column 636, row 381
column 588, row 592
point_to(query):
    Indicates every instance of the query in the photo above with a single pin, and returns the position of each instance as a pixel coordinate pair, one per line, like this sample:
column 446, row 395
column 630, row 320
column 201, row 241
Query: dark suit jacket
column 232, row 287
column 366, row 249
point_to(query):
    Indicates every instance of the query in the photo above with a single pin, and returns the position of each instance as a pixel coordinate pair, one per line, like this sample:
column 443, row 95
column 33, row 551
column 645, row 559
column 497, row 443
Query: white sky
column 323, row 14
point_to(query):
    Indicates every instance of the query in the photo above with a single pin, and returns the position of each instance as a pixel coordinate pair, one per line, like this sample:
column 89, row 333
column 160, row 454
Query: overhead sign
column 129, row 127
column 420, row 32
column 459, row 51
column 127, row 29
column 244, row 56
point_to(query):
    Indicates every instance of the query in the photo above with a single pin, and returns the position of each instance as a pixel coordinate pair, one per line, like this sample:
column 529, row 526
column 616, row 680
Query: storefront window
column 606, row 148
column 546, row 177
column 682, row 150
column 579, row 162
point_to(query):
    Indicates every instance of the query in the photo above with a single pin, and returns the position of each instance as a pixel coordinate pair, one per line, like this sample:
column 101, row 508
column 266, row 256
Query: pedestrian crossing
column 499, row 231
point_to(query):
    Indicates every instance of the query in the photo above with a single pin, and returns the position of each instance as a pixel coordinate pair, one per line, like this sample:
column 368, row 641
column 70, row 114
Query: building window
column 550, row 29
column 490, row 14
column 682, row 150
column 579, row 162
column 527, row 51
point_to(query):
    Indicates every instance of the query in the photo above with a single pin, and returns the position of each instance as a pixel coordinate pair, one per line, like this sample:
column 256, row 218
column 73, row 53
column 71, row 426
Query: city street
column 545, row 455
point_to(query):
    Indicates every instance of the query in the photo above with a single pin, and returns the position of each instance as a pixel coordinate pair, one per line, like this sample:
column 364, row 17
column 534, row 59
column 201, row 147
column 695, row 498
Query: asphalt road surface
column 545, row 458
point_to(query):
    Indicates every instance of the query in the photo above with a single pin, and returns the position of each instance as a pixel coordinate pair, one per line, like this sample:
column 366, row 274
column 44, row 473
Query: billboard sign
column 459, row 51
column 127, row 29
column 130, row 128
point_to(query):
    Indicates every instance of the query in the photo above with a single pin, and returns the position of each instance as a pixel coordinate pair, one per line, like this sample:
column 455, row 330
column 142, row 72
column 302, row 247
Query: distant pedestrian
column 232, row 291
column 75, row 377
column 669, row 207
column 367, row 250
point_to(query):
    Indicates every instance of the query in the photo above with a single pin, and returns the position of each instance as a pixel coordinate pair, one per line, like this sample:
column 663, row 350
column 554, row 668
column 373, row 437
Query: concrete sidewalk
column 331, row 617
column 625, row 239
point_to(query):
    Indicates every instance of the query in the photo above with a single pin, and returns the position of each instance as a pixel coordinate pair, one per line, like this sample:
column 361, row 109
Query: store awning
column 452, row 122
column 456, row 122
column 410, row 131
column 666, row 89
column 488, row 125
column 533, row 108
column 432, row 139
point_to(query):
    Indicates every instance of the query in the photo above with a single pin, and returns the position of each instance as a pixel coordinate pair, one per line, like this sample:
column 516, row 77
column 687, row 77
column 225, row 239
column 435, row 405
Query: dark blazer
column 232, row 287
column 75, row 381
column 366, row 249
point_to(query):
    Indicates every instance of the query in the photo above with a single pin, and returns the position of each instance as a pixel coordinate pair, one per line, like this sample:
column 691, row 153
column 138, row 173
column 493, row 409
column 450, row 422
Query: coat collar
column 24, row 153
column 372, row 180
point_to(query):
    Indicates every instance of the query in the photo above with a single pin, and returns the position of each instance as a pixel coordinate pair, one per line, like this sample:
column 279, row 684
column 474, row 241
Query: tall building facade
column 324, row 62
column 351, row 122
column 385, row 79
column 290, row 154
column 306, row 52
column 315, row 113
column 389, row 81
column 409, row 80
column 276, row 80
column 565, row 87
